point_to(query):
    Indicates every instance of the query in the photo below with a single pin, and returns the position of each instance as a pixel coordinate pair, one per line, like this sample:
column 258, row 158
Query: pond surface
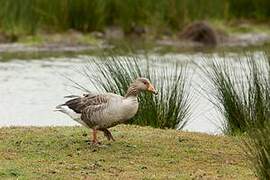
column 30, row 89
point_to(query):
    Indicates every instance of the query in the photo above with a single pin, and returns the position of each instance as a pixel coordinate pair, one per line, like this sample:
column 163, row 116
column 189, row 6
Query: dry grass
column 138, row 153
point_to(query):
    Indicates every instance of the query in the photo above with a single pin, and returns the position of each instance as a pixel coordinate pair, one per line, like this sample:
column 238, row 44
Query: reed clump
column 258, row 143
column 241, row 91
column 242, row 95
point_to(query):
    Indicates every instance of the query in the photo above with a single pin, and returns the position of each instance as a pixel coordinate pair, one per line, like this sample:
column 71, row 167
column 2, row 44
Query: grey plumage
column 102, row 111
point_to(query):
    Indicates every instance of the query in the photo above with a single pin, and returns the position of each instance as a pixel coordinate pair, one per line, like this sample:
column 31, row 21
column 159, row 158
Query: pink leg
column 95, row 141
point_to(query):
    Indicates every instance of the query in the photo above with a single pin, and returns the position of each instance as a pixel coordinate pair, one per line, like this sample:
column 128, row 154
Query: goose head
column 139, row 85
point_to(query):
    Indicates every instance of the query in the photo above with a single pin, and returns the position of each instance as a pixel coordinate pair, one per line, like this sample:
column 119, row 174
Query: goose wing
column 78, row 104
column 99, row 111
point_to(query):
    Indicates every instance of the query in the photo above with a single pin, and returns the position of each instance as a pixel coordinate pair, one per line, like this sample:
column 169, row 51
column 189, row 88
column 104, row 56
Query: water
column 30, row 89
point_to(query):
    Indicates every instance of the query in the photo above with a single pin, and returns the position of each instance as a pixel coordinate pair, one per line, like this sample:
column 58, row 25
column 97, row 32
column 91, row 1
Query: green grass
column 169, row 109
column 257, row 148
column 31, row 16
column 137, row 153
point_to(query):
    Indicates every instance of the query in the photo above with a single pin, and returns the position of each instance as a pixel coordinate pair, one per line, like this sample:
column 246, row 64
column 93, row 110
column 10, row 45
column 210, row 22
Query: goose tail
column 66, row 110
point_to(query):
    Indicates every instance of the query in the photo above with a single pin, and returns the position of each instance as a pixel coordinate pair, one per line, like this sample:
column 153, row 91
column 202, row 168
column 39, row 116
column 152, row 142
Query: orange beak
column 152, row 89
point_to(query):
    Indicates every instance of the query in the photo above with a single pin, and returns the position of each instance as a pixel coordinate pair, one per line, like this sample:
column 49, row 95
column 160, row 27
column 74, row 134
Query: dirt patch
column 223, row 40
column 200, row 32
column 7, row 38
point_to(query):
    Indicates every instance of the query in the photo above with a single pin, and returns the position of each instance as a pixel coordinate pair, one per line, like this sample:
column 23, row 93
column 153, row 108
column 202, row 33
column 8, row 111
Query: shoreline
column 241, row 35
column 236, row 40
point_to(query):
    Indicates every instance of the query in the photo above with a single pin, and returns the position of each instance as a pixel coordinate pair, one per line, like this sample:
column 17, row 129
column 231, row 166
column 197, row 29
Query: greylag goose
column 102, row 111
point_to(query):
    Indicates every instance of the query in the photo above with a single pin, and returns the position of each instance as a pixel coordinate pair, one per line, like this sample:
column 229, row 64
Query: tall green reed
column 225, row 96
column 30, row 16
column 169, row 109
column 257, row 145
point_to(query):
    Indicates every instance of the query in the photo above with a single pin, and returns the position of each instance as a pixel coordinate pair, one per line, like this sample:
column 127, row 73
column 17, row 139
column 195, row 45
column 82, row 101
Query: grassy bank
column 30, row 16
column 138, row 153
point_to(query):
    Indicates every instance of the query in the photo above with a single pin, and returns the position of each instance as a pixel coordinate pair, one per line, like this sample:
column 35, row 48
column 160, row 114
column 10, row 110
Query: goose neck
column 132, row 92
